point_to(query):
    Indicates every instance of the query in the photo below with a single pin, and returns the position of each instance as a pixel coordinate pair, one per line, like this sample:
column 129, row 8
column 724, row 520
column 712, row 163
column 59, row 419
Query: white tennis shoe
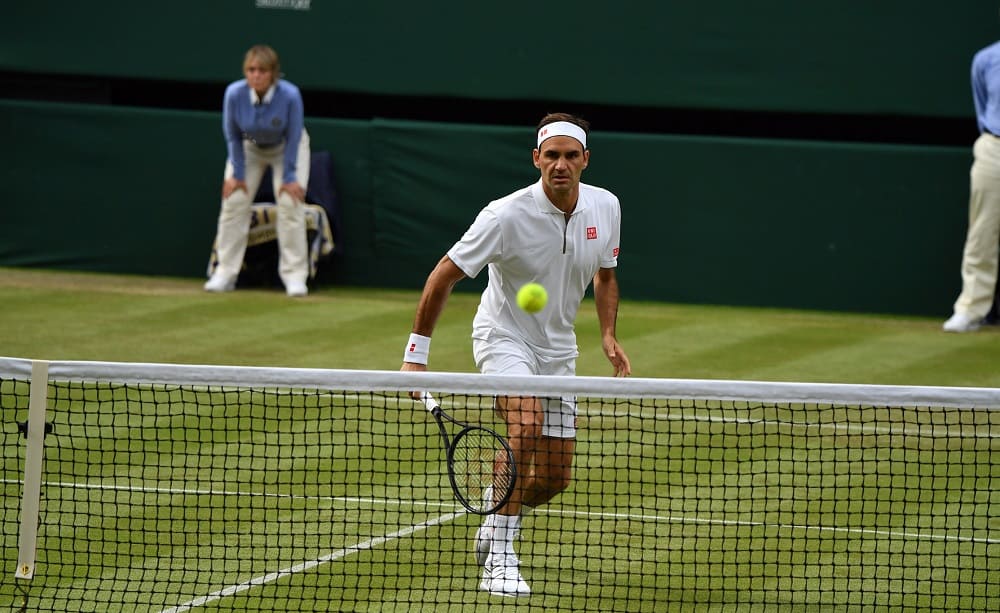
column 501, row 576
column 220, row 283
column 484, row 535
column 960, row 322
column 296, row 289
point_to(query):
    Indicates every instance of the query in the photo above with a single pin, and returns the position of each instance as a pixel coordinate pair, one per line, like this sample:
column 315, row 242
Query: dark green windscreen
column 834, row 56
column 874, row 228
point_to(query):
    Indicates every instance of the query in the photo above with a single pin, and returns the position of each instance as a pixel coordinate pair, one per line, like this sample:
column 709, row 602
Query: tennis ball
column 532, row 297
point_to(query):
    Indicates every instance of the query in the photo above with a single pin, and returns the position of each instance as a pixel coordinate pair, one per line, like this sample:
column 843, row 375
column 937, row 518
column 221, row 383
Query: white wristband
column 417, row 349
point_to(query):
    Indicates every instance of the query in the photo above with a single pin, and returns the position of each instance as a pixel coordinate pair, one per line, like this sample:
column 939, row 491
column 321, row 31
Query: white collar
column 268, row 95
column 545, row 205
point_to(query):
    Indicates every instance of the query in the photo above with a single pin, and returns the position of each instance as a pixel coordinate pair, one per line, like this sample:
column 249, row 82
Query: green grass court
column 78, row 316
column 705, row 506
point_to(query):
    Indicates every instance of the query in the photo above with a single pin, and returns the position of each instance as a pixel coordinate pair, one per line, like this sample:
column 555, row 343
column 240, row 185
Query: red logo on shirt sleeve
column 615, row 252
column 591, row 233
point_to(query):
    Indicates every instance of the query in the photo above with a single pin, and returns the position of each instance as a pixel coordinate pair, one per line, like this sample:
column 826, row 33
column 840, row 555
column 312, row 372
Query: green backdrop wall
column 856, row 227
column 907, row 57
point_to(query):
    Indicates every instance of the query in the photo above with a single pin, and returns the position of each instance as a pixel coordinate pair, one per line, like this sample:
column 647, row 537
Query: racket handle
column 429, row 401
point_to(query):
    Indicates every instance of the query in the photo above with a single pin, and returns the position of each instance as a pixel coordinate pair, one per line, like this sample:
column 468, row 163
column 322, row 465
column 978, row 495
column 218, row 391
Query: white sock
column 504, row 528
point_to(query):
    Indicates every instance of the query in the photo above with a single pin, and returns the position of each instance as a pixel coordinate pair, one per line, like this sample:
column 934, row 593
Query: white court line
column 334, row 555
column 735, row 522
column 598, row 514
column 211, row 492
column 928, row 430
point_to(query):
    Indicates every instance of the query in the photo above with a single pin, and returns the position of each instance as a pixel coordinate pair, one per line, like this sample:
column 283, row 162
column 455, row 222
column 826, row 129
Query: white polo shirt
column 523, row 237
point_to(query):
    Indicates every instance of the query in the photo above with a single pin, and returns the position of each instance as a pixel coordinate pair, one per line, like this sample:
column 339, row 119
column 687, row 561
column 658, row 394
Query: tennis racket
column 477, row 458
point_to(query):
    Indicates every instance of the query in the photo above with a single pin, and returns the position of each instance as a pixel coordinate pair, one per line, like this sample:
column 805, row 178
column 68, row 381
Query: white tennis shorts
column 500, row 354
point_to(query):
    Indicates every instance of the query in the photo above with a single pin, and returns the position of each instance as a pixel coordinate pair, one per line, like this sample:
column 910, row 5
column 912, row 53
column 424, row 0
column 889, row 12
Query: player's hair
column 554, row 117
column 266, row 57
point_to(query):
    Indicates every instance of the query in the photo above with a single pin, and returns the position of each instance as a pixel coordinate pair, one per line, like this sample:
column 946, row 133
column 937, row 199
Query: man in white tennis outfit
column 560, row 233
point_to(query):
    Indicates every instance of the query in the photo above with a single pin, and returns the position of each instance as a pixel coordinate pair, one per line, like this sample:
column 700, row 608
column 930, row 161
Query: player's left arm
column 606, row 299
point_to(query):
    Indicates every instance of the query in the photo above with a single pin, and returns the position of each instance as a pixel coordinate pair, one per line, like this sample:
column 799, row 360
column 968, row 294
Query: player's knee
column 554, row 483
column 559, row 483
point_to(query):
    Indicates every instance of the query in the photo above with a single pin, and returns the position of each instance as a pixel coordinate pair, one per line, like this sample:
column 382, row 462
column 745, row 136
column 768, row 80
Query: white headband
column 562, row 128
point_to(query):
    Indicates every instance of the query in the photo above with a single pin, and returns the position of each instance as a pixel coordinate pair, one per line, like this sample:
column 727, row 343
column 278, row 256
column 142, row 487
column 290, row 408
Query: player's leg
column 525, row 420
column 552, row 465
column 494, row 540
column 551, row 471
column 293, row 251
column 543, row 443
column 234, row 225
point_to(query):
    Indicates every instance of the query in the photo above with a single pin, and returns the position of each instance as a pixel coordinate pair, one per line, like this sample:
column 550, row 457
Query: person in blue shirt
column 980, row 257
column 263, row 123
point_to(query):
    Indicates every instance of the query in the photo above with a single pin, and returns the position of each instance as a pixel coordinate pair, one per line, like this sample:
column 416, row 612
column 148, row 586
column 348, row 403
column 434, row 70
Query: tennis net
column 153, row 487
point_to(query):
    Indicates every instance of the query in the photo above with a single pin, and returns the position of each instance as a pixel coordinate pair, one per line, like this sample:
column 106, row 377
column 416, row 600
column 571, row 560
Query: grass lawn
column 76, row 316
column 167, row 499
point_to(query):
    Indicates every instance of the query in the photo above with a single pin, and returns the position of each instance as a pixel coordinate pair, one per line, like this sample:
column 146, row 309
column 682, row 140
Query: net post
column 31, row 494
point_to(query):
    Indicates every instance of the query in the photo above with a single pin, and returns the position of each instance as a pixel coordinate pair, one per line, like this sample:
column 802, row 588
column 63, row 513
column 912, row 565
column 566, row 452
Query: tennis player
column 560, row 233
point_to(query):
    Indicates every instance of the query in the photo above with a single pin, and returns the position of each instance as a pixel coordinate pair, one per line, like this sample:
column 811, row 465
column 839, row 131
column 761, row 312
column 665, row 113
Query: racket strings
column 475, row 455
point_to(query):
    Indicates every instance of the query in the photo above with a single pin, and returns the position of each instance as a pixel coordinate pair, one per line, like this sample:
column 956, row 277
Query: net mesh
column 185, row 496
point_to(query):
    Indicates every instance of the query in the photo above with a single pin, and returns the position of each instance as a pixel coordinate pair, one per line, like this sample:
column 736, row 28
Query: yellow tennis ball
column 532, row 297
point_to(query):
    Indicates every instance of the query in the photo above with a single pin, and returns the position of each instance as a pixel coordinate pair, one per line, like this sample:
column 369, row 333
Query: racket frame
column 449, row 444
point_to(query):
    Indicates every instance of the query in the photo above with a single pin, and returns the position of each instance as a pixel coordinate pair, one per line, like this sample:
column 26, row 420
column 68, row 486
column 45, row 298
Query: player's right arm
column 437, row 288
